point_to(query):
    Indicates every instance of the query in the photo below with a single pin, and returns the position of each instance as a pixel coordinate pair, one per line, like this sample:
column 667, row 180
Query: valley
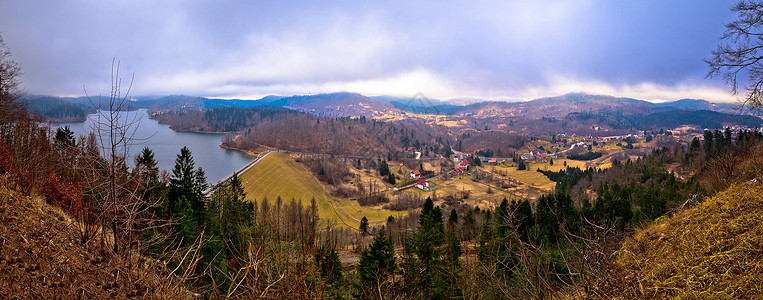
column 380, row 150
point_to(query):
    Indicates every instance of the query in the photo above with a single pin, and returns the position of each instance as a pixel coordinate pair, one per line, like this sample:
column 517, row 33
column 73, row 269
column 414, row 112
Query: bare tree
column 123, row 210
column 738, row 59
column 10, row 72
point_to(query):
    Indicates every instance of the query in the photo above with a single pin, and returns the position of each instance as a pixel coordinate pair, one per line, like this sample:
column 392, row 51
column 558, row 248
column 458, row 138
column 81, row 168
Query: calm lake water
column 205, row 147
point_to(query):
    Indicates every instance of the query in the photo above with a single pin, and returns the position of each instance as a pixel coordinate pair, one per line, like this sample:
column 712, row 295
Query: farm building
column 422, row 184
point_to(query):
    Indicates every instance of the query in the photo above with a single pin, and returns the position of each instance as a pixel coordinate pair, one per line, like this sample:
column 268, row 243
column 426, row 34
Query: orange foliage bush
column 68, row 196
column 6, row 160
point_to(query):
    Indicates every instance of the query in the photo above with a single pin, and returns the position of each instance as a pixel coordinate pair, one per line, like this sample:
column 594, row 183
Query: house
column 422, row 184
column 415, row 174
column 492, row 161
column 464, row 165
column 457, row 158
column 458, row 171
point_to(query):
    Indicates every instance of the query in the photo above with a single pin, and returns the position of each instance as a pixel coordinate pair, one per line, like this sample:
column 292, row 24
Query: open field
column 478, row 192
column 279, row 175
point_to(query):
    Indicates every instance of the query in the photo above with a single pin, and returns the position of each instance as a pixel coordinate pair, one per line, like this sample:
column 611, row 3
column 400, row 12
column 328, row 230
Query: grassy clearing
column 478, row 192
column 279, row 175
column 532, row 178
column 712, row 251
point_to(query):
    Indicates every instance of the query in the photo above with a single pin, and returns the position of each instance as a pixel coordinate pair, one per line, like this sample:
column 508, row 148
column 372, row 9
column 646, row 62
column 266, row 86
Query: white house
column 422, row 184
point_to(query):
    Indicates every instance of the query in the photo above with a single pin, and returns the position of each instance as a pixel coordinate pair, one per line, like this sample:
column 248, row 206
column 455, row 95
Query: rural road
column 242, row 170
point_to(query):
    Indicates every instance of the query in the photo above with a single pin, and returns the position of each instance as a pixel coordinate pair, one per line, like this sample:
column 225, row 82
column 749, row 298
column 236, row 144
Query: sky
column 504, row 50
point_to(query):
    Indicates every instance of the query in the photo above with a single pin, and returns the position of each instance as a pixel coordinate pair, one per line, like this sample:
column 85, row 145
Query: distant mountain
column 702, row 118
column 558, row 107
column 339, row 105
column 698, row 104
column 182, row 102
column 577, row 109
column 421, row 105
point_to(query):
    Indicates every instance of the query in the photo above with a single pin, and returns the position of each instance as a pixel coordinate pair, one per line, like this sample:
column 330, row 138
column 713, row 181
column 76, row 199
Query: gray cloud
column 509, row 49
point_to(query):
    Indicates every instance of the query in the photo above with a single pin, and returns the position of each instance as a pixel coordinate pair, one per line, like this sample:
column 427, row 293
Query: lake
column 217, row 162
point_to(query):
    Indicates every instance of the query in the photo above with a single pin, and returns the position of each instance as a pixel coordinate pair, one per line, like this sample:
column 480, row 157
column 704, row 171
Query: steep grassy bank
column 712, row 251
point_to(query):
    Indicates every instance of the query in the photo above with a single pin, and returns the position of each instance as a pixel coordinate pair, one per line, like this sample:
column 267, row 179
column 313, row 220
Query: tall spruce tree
column 376, row 263
column 429, row 240
column 145, row 165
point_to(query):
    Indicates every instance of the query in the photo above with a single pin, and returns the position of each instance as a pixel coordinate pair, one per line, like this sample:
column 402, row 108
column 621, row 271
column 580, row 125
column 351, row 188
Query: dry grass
column 713, row 251
column 279, row 175
column 478, row 195
column 40, row 258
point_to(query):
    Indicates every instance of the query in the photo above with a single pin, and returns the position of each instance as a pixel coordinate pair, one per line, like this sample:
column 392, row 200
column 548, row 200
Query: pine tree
column 363, row 225
column 383, row 168
column 429, row 240
column 146, row 165
column 329, row 264
column 391, row 178
column 182, row 180
column 376, row 263
column 65, row 136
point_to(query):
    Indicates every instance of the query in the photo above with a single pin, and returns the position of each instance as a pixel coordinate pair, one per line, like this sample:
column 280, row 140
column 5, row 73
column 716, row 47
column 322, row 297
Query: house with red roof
column 422, row 184
column 415, row 174
column 464, row 164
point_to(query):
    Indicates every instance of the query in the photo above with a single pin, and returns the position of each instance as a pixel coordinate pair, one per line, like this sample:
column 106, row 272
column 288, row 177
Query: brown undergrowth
column 712, row 251
column 40, row 258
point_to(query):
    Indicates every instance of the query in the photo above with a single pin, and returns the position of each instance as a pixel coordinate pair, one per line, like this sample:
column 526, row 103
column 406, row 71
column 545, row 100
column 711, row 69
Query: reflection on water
column 216, row 162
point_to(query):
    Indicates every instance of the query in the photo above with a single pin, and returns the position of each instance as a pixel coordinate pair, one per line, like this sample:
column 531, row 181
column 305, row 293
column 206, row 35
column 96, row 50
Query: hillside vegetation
column 41, row 258
column 712, row 251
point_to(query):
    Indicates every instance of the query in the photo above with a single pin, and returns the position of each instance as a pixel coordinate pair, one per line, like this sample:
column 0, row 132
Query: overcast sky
column 648, row 49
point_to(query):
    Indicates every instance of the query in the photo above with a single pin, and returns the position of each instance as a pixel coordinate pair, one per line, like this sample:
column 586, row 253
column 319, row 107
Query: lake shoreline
column 218, row 161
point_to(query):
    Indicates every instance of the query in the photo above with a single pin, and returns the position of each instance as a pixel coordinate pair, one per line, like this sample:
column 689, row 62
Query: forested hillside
column 57, row 109
column 345, row 136
column 223, row 119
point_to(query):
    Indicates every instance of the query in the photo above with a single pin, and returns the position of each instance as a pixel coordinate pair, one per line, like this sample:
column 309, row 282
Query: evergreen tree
column 328, row 264
column 376, row 263
column 486, row 238
column 363, row 225
column 708, row 145
column 65, row 136
column 429, row 240
column 391, row 178
column 383, row 168
column 186, row 195
column 182, row 180
column 146, row 165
